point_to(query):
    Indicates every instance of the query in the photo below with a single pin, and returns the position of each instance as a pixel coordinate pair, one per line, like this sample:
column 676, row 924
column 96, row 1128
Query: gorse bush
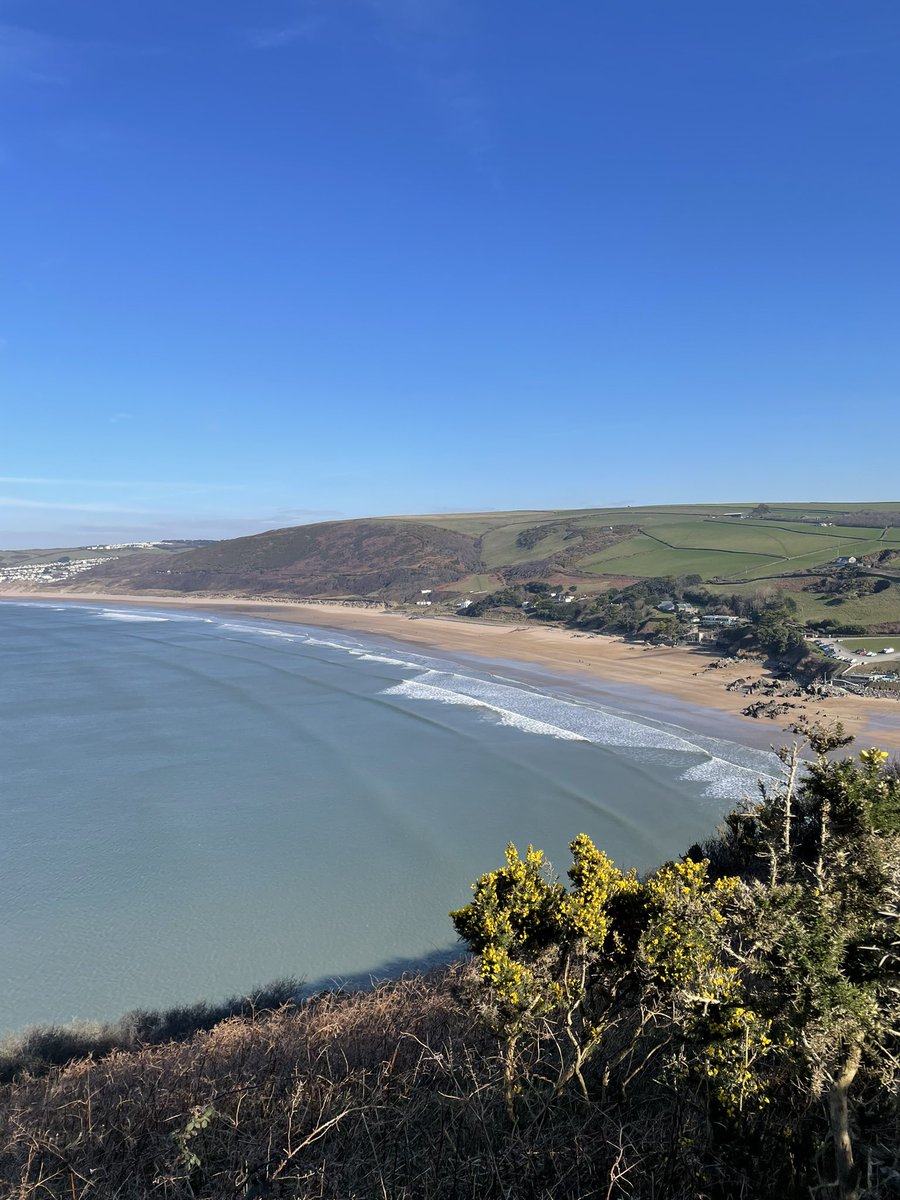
column 758, row 985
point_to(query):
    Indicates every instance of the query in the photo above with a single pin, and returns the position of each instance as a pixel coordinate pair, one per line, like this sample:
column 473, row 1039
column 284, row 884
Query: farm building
column 845, row 560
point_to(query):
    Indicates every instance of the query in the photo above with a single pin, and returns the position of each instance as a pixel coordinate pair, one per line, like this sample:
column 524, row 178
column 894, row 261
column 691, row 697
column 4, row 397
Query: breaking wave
column 116, row 615
column 722, row 769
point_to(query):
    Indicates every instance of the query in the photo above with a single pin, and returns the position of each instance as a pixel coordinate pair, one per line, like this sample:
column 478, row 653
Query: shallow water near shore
column 195, row 803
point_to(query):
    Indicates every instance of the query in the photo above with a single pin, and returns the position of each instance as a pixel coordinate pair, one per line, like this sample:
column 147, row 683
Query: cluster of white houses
column 53, row 572
column 689, row 612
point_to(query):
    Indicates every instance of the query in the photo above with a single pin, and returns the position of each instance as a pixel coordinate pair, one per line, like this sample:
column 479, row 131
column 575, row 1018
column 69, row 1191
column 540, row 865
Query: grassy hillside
column 43, row 556
column 681, row 539
column 374, row 558
column 394, row 558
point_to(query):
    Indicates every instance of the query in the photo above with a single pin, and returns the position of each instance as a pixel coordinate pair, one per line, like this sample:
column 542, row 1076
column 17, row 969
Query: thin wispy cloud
column 65, row 506
column 298, row 514
column 285, row 35
column 44, row 481
column 839, row 53
column 415, row 16
column 30, row 57
column 458, row 96
column 430, row 35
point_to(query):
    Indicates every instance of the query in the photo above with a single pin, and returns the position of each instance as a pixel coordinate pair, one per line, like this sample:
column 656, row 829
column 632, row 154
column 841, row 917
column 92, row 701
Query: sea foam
column 724, row 771
column 115, row 615
column 417, row 689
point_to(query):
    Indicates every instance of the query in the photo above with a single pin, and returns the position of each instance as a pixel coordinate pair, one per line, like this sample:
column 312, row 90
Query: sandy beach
column 678, row 672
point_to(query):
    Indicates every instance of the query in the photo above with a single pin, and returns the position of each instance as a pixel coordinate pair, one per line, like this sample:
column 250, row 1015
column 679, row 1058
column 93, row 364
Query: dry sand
column 679, row 672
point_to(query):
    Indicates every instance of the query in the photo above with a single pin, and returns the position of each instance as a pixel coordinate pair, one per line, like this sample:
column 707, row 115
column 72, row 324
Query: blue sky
column 269, row 262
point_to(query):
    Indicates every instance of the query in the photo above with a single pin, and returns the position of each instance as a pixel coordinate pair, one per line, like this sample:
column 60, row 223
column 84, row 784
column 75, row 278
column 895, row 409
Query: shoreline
column 595, row 660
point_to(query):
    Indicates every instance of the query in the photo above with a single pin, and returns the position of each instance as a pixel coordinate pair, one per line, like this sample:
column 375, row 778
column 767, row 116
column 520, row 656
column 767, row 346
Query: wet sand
column 593, row 661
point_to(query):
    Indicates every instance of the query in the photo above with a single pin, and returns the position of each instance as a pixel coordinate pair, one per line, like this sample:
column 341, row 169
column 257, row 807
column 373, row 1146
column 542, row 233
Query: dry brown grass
column 392, row 1094
column 386, row 1094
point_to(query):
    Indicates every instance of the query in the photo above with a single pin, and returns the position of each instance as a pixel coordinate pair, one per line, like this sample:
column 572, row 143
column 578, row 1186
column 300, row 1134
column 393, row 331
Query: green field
column 724, row 550
column 813, row 606
column 594, row 548
column 679, row 539
column 689, row 539
column 746, row 554
column 644, row 557
column 499, row 549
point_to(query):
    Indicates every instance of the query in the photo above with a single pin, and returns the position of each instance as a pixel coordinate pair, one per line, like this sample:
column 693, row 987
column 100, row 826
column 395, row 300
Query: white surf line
column 416, row 689
column 115, row 615
column 537, row 712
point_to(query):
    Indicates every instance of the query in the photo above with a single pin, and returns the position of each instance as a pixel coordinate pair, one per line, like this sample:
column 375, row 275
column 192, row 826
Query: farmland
column 879, row 609
column 738, row 548
column 680, row 539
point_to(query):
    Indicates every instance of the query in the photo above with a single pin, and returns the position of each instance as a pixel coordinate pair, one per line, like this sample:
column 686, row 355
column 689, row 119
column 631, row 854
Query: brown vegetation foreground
column 395, row 1093
column 391, row 1093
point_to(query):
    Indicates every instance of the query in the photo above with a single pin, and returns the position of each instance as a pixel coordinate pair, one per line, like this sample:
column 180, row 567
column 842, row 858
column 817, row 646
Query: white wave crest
column 415, row 689
column 720, row 778
column 720, row 773
column 115, row 615
column 383, row 658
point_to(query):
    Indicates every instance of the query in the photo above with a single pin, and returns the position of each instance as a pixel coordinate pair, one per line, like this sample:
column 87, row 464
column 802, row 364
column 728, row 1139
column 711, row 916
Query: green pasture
column 473, row 583
column 697, row 538
column 477, row 524
column 768, row 538
column 811, row 559
column 713, row 548
column 644, row 557
column 499, row 549
column 814, row 606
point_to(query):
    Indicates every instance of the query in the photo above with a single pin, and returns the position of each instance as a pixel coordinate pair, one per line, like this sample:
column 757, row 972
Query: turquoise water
column 192, row 804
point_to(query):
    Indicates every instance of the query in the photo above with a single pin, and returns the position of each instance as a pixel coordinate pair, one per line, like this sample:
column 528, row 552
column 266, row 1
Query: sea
column 193, row 804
